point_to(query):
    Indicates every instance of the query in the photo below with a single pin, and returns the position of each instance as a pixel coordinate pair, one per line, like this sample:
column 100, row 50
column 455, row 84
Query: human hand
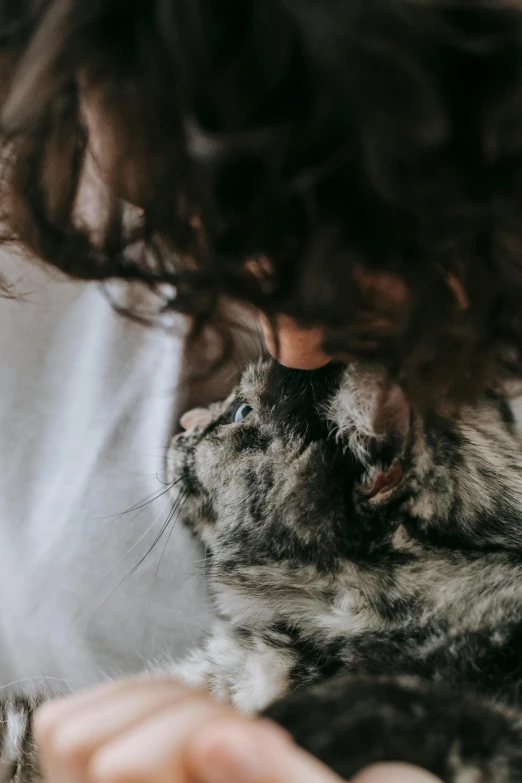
column 159, row 731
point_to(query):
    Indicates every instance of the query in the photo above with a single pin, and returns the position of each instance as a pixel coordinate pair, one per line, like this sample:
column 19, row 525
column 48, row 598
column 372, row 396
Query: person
column 351, row 169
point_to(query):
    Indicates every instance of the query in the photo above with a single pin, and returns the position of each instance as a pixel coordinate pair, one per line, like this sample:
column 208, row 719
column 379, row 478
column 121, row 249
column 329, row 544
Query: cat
column 365, row 561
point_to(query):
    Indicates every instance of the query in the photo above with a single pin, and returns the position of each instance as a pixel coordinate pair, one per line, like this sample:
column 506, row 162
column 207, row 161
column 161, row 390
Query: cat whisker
column 168, row 484
column 142, row 504
column 144, row 557
column 140, row 539
column 38, row 678
column 173, row 516
column 159, row 536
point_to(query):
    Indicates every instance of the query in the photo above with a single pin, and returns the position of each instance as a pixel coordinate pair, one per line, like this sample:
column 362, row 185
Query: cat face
column 316, row 468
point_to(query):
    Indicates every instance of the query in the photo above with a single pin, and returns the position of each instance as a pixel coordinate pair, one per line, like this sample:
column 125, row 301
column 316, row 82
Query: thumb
column 236, row 751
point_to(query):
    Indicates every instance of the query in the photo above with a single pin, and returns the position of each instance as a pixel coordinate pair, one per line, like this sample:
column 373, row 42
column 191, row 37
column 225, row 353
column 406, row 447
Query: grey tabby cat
column 366, row 567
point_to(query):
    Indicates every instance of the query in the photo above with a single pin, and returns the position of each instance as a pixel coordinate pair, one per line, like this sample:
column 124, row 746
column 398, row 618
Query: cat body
column 354, row 548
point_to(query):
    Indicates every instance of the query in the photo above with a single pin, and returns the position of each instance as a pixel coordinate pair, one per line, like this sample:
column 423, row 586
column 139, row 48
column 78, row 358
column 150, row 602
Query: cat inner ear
column 391, row 424
column 380, row 483
column 372, row 417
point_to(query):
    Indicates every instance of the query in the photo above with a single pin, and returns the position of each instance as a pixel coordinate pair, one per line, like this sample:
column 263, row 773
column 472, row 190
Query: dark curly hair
column 300, row 155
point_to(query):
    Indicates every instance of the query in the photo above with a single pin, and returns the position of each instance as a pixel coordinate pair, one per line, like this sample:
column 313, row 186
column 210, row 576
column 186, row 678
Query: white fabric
column 87, row 400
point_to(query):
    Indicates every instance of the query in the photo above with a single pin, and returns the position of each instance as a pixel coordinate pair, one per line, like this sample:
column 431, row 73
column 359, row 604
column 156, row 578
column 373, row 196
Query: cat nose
column 197, row 417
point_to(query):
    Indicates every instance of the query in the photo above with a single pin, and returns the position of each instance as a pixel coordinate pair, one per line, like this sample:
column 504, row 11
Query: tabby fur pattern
column 365, row 561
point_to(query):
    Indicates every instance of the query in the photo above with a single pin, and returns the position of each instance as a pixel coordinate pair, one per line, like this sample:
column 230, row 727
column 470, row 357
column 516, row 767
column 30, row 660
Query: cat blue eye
column 241, row 412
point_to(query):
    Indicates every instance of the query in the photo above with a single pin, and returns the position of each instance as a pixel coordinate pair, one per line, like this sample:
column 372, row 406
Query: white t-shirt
column 87, row 401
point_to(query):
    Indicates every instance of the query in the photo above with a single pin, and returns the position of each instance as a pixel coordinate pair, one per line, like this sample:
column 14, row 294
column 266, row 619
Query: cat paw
column 350, row 723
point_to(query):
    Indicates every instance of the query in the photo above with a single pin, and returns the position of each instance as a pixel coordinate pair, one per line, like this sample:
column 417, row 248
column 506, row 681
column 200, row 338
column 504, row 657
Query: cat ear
column 197, row 417
column 392, row 412
column 380, row 483
column 372, row 417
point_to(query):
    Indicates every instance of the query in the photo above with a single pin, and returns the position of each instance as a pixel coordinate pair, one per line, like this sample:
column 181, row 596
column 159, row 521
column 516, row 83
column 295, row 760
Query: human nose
column 293, row 345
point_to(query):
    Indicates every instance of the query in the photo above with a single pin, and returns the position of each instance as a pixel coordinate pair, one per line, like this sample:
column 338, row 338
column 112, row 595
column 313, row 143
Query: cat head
column 317, row 467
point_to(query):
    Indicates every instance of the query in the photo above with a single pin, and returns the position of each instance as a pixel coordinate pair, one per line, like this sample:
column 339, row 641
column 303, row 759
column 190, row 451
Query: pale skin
column 159, row 731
